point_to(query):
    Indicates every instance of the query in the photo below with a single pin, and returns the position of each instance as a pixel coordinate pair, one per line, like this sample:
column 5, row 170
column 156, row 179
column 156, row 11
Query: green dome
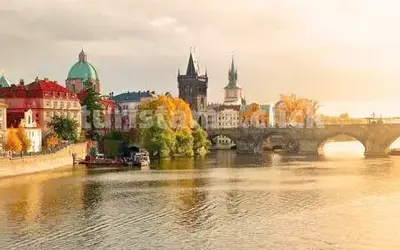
column 83, row 69
column 4, row 82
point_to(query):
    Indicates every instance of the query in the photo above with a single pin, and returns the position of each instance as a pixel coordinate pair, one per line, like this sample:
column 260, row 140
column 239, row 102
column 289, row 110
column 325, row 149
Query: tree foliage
column 292, row 108
column 12, row 143
column 51, row 141
column 165, row 127
column 94, row 110
column 65, row 128
column 201, row 143
column 26, row 143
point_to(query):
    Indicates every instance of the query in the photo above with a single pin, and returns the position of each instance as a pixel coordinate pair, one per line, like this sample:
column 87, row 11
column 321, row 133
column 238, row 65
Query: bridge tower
column 193, row 85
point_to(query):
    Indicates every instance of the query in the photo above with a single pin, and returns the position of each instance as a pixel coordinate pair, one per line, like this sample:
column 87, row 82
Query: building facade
column 45, row 98
column 129, row 103
column 193, row 85
column 3, row 124
column 32, row 129
column 82, row 75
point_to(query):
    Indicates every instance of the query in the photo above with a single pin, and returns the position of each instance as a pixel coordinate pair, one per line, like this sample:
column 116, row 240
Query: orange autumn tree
column 12, row 143
column 292, row 108
column 23, row 138
column 51, row 141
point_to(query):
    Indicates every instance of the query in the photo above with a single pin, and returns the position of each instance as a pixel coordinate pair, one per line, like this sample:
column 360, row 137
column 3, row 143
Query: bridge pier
column 308, row 147
column 374, row 149
column 245, row 147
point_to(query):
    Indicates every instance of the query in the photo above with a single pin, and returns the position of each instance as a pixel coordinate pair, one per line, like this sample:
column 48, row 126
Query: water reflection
column 223, row 201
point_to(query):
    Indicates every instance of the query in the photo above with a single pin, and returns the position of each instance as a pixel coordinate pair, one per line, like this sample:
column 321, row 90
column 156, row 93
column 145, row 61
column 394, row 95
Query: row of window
column 61, row 104
column 50, row 114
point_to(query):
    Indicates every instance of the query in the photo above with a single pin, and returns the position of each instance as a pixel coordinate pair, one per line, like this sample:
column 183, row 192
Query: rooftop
column 133, row 96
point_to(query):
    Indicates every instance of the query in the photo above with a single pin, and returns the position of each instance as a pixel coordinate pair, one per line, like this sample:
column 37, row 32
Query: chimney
column 21, row 82
column 37, row 79
column 46, row 79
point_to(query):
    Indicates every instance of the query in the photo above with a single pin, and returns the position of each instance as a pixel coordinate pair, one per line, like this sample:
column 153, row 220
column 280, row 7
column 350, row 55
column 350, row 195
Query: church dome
column 83, row 69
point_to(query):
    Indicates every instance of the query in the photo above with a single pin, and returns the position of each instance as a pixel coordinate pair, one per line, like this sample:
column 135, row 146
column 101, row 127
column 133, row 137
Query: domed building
column 4, row 82
column 82, row 75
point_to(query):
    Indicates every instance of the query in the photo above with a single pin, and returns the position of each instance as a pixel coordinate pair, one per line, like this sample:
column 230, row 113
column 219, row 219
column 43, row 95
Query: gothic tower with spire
column 193, row 86
column 233, row 93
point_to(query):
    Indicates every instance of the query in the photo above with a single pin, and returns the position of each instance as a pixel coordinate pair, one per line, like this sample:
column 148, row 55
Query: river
column 223, row 201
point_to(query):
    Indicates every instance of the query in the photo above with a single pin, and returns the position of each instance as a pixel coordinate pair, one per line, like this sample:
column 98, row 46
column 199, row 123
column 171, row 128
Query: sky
column 331, row 50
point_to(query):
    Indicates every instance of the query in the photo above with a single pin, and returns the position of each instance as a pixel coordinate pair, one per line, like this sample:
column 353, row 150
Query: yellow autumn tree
column 292, row 108
column 12, row 143
column 26, row 143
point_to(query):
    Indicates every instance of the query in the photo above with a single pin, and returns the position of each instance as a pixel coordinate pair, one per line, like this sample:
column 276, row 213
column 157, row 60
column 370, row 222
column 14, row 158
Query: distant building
column 32, row 129
column 193, row 85
column 81, row 74
column 129, row 102
column 45, row 98
column 4, row 82
column 233, row 93
column 3, row 124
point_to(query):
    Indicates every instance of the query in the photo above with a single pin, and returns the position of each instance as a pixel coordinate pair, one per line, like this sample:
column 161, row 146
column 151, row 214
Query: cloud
column 323, row 49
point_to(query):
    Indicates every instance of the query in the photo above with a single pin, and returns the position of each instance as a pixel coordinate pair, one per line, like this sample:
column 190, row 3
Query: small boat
column 141, row 158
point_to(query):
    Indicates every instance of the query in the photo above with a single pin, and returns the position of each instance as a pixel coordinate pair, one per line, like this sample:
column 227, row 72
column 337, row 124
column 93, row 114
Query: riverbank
column 39, row 163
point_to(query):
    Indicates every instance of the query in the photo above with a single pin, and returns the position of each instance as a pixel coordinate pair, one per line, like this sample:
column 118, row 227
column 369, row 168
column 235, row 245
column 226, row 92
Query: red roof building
column 45, row 98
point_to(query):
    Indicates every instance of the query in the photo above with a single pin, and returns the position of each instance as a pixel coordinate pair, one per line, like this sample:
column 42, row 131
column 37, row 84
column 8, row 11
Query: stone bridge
column 309, row 141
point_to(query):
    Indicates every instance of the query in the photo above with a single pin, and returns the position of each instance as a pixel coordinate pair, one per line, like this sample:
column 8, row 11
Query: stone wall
column 38, row 163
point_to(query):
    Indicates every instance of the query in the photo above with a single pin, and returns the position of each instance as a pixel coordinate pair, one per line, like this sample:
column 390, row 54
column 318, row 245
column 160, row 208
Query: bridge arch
column 334, row 138
column 223, row 140
column 392, row 142
column 276, row 140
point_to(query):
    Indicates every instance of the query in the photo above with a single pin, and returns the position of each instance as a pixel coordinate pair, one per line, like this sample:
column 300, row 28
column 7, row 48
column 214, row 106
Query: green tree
column 26, row 143
column 65, row 128
column 165, row 128
column 184, row 143
column 93, row 108
column 201, row 144
column 158, row 140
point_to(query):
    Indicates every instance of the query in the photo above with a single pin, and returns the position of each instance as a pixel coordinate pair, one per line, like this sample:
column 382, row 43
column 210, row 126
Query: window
column 48, row 104
column 68, row 105
column 55, row 104
column 75, row 104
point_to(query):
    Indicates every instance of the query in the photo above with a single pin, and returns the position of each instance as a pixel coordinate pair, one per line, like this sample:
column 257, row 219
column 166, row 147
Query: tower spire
column 192, row 68
column 82, row 56
column 232, row 74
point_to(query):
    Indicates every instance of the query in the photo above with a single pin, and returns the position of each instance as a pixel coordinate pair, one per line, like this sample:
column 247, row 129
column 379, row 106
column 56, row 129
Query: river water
column 223, row 201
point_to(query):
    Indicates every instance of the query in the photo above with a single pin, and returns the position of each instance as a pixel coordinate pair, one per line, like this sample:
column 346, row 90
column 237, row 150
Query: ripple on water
column 295, row 204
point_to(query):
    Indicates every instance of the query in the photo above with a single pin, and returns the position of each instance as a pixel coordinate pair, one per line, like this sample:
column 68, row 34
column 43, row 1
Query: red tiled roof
column 38, row 88
column 109, row 103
